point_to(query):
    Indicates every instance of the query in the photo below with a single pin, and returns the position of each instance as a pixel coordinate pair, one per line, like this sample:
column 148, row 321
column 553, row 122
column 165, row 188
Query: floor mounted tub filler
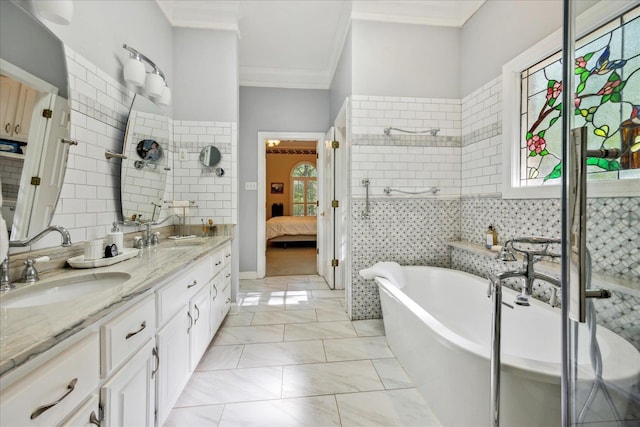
column 438, row 324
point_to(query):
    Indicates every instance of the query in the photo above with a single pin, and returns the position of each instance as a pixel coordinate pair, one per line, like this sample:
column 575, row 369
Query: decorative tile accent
column 406, row 140
column 408, row 231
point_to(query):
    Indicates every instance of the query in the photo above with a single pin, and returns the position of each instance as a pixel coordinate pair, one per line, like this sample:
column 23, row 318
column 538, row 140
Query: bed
column 283, row 229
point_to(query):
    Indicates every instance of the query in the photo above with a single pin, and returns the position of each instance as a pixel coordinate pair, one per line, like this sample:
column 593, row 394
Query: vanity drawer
column 218, row 262
column 176, row 295
column 50, row 393
column 227, row 254
column 124, row 335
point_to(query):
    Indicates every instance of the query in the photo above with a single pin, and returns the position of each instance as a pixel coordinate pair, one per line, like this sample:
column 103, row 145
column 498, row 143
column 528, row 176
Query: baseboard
column 248, row 275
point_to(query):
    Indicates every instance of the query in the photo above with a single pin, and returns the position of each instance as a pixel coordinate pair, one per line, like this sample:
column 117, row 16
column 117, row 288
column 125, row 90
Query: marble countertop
column 30, row 331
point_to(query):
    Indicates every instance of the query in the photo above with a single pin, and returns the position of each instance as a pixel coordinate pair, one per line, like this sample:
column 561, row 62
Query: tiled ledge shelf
column 598, row 280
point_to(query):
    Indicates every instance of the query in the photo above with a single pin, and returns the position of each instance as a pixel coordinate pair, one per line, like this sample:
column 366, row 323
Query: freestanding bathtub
column 439, row 327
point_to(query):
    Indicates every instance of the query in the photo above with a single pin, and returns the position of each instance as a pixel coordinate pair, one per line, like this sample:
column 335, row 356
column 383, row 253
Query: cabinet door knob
column 17, row 129
column 195, row 321
column 142, row 326
column 43, row 408
column 7, row 127
column 216, row 288
column 195, row 282
column 95, row 420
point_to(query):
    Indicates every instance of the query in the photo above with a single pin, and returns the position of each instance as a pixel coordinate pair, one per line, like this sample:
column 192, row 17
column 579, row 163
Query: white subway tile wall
column 403, row 161
column 481, row 161
column 216, row 196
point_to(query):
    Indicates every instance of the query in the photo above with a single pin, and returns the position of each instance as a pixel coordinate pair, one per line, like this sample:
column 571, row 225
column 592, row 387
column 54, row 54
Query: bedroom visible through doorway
column 291, row 207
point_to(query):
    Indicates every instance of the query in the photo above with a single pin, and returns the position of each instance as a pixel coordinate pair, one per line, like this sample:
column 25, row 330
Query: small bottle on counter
column 115, row 237
column 491, row 237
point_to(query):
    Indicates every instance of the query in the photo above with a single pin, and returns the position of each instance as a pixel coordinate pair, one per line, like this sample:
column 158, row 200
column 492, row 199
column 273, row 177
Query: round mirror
column 149, row 149
column 210, row 156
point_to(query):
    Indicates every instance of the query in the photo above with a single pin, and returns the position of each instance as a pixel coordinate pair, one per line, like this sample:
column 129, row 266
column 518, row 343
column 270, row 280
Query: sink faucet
column 527, row 273
column 5, row 281
column 148, row 238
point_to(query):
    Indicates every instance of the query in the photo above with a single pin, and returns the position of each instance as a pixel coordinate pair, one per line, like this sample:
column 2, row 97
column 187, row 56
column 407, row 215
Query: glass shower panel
column 601, row 372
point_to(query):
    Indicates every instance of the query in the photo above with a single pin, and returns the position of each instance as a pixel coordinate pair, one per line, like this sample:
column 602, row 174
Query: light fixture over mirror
column 154, row 82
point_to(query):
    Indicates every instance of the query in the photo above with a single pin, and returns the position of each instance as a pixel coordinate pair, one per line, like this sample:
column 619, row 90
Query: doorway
column 291, row 185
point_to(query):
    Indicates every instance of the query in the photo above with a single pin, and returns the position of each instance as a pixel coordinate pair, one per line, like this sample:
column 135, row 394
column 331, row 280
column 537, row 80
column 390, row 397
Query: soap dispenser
column 116, row 237
column 491, row 237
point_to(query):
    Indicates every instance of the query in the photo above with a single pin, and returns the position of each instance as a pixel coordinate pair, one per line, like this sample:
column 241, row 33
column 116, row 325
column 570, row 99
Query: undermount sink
column 62, row 290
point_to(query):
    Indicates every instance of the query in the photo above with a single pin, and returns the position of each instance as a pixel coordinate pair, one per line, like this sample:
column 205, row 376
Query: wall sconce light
column 154, row 82
column 56, row 11
column 272, row 142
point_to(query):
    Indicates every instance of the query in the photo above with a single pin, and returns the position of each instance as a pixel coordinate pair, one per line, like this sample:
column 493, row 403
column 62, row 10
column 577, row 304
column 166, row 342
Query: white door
column 326, row 235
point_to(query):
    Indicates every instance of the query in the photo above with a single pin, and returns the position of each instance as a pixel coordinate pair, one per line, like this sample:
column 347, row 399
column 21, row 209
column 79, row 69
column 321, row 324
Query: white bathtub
column 439, row 328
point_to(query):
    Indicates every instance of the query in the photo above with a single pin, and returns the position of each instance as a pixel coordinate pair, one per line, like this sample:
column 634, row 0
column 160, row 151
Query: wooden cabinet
column 128, row 397
column 16, row 109
column 52, row 391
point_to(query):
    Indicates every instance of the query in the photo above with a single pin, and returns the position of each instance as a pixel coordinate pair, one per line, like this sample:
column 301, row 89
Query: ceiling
column 297, row 43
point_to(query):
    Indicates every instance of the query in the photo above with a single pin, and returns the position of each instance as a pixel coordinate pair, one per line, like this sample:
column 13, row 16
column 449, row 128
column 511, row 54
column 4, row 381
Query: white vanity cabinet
column 200, row 333
column 131, row 369
column 89, row 414
column 48, row 394
column 183, row 317
column 128, row 397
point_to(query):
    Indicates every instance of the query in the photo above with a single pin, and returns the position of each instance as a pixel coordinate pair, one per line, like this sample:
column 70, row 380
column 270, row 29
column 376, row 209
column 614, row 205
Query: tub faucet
column 527, row 273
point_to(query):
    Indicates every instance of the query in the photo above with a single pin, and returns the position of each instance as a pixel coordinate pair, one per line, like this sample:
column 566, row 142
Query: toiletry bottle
column 491, row 237
column 115, row 237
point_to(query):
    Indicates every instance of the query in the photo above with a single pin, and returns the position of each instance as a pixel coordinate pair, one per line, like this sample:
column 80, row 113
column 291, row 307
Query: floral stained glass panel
column 607, row 93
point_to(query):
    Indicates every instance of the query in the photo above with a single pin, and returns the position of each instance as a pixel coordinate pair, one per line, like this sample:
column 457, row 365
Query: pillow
column 392, row 271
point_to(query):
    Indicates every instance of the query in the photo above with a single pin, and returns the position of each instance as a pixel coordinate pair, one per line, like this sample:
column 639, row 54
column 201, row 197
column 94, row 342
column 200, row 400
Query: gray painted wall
column 405, row 60
column 494, row 35
column 341, row 84
column 206, row 69
column 267, row 110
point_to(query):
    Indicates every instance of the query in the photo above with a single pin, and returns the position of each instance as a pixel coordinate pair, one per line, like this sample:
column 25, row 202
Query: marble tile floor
column 288, row 355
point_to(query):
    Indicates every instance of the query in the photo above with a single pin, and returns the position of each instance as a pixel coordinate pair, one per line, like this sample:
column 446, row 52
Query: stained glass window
column 305, row 191
column 607, row 102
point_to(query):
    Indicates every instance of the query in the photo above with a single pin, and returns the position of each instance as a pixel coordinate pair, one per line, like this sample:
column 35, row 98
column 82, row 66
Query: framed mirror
column 143, row 174
column 34, row 111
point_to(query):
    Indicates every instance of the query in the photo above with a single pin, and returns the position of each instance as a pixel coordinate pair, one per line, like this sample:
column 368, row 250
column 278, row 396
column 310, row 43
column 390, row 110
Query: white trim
column 248, row 275
column 262, row 192
column 586, row 22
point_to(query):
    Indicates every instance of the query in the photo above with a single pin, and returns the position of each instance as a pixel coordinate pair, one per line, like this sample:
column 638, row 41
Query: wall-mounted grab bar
column 432, row 131
column 432, row 190
column 365, row 214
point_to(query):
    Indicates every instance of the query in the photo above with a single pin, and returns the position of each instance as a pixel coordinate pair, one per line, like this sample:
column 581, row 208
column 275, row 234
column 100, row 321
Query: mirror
column 33, row 154
column 143, row 173
column 210, row 156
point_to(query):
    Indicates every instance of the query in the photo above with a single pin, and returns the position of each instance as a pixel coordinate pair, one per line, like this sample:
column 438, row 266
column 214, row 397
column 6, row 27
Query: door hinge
column 335, row 204
column 318, row 203
column 35, row 180
column 335, row 144
column 47, row 113
column 334, row 262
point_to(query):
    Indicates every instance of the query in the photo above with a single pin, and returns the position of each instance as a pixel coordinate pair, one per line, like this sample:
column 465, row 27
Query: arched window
column 304, row 189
